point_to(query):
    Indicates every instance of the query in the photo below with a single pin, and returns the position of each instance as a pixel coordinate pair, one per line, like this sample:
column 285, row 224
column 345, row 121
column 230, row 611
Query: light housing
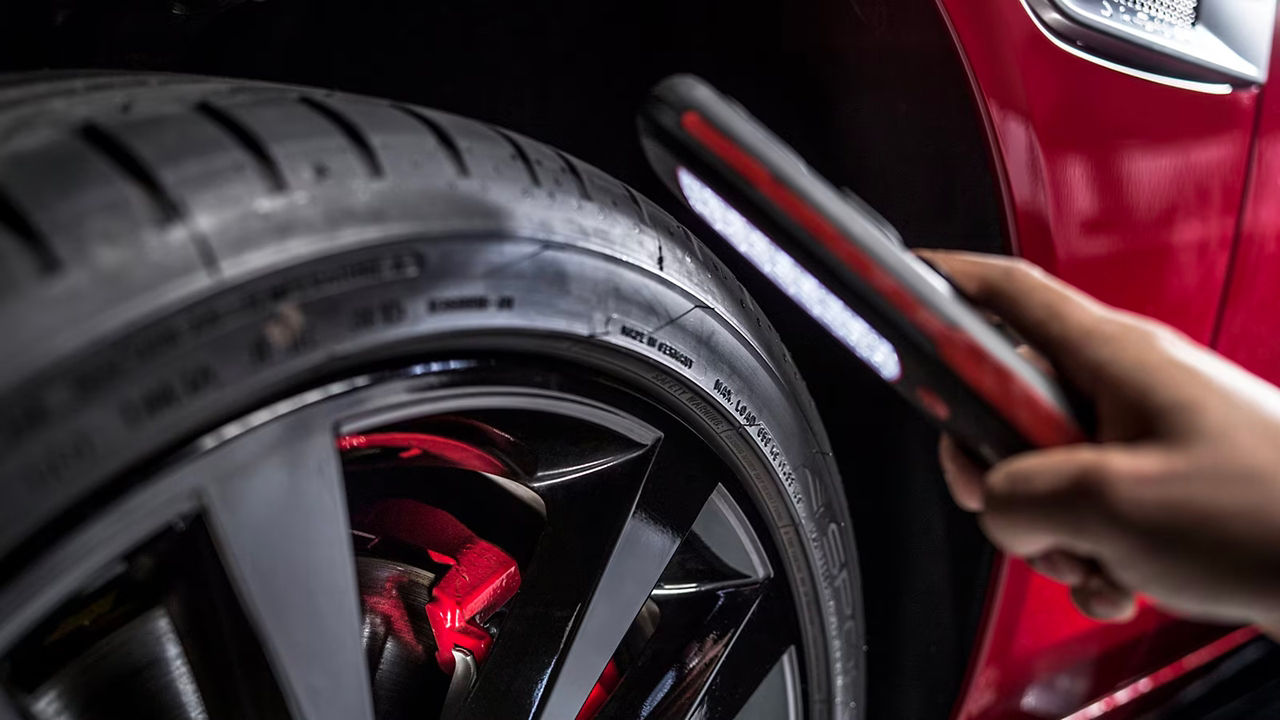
column 788, row 275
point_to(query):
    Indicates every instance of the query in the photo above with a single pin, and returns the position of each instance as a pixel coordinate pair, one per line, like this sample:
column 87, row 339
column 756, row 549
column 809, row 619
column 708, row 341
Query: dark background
column 872, row 93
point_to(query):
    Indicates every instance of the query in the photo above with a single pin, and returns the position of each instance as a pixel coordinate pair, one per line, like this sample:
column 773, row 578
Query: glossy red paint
column 481, row 580
column 1246, row 332
column 1171, row 673
column 1132, row 190
column 1128, row 188
column 1040, row 658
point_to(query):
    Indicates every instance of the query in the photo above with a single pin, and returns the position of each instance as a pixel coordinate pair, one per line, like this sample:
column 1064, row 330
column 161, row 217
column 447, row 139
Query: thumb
column 1080, row 334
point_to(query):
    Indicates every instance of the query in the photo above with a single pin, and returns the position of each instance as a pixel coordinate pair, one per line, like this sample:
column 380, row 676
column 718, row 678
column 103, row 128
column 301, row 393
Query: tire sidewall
column 593, row 296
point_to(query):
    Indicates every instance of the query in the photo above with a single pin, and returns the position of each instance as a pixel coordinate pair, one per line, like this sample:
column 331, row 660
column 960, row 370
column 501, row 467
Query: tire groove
column 110, row 147
column 635, row 200
column 521, row 153
column 243, row 136
column 135, row 168
column 15, row 221
column 576, row 172
column 441, row 135
column 351, row 131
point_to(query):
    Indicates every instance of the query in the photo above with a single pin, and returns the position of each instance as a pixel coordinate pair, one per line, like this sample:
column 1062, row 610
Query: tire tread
column 521, row 154
column 350, row 129
column 442, row 136
column 471, row 148
column 576, row 172
column 256, row 149
column 18, row 226
column 135, row 169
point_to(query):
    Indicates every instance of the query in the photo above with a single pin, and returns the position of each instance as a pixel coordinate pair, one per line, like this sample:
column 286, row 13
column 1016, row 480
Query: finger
column 1102, row 599
column 963, row 476
column 1060, row 320
column 1061, row 566
column 1053, row 499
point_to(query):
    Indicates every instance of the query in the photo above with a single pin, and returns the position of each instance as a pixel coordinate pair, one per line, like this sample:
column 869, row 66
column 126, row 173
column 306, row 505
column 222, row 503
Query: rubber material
column 177, row 251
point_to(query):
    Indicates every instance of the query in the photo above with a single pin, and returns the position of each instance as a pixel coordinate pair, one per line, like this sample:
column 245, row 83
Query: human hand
column 1179, row 498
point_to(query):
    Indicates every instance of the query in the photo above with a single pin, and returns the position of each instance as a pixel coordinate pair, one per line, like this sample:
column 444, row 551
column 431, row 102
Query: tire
column 179, row 252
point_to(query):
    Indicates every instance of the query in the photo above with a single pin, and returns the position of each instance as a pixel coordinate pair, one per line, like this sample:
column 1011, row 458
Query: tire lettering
column 649, row 340
column 723, row 390
column 387, row 312
column 762, row 436
column 835, row 549
column 160, row 398
column 24, row 419
column 330, row 281
column 470, row 302
column 453, row 304
column 817, row 492
column 74, row 449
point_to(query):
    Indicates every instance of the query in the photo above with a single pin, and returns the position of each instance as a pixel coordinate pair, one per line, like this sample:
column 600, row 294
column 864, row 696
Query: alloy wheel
column 466, row 538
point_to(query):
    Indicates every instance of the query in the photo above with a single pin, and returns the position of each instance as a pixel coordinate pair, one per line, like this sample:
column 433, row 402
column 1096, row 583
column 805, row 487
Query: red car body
column 1163, row 198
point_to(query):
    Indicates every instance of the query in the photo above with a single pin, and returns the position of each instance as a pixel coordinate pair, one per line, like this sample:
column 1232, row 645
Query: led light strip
column 799, row 284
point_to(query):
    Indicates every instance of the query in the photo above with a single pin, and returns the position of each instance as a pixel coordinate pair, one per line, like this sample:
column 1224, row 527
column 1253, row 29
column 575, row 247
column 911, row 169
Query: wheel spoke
column 612, row 530
column 697, row 627
column 778, row 695
column 762, row 641
column 276, row 509
column 636, row 555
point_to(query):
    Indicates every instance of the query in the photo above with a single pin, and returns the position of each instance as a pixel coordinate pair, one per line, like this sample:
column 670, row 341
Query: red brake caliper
column 445, row 450
column 481, row 577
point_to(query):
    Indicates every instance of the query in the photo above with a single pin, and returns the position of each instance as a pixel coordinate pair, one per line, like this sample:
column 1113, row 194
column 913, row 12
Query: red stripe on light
column 1038, row 421
column 1165, row 675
